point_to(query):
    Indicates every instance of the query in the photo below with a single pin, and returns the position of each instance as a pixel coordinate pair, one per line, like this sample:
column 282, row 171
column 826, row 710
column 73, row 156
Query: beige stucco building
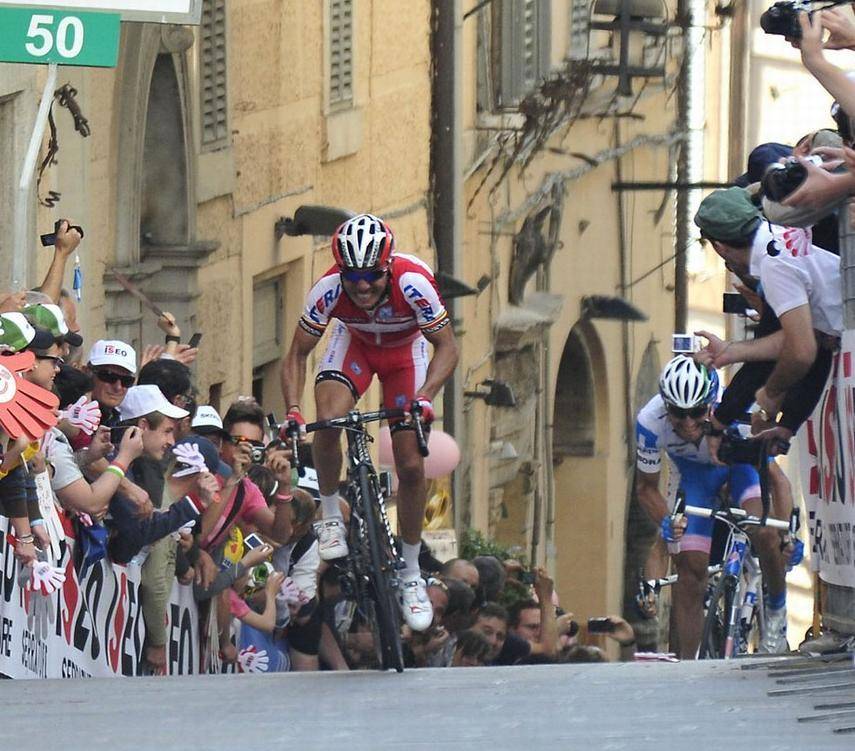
column 203, row 139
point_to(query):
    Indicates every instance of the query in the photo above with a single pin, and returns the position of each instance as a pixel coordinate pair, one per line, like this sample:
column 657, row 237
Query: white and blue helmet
column 686, row 384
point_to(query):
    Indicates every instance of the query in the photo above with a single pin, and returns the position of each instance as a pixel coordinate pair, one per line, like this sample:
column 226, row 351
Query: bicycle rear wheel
column 717, row 621
column 381, row 574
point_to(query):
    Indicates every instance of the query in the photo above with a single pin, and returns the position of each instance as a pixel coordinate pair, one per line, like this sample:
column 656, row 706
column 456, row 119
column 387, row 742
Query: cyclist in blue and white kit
column 674, row 422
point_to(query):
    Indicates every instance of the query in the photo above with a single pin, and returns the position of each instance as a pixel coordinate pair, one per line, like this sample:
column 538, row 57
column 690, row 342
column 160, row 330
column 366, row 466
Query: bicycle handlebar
column 737, row 516
column 351, row 421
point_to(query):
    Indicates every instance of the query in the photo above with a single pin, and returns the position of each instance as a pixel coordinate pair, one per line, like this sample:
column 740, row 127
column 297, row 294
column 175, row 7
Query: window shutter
column 524, row 47
column 579, row 19
column 341, row 53
column 212, row 51
column 266, row 322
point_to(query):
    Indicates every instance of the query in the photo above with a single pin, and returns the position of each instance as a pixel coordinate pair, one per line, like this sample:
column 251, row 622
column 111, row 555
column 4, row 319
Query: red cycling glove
column 427, row 408
column 293, row 416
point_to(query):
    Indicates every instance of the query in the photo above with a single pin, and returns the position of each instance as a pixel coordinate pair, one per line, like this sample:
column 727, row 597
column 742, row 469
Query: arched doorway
column 155, row 187
column 580, row 461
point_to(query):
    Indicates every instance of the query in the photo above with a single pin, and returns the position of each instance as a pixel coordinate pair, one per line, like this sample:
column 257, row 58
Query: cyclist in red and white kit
column 382, row 309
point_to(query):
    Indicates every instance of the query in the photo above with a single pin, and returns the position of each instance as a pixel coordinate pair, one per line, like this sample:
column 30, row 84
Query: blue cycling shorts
column 701, row 484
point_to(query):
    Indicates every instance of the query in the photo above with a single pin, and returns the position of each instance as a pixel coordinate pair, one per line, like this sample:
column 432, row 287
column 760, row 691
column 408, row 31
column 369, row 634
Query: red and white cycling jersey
column 412, row 306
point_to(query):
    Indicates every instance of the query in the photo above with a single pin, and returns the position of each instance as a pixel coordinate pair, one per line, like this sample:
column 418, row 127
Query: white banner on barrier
column 88, row 628
column 827, row 456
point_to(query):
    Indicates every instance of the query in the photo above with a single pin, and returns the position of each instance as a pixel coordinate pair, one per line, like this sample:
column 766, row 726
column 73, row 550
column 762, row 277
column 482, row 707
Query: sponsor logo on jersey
column 385, row 312
column 400, row 400
column 419, row 299
column 322, row 303
column 354, row 366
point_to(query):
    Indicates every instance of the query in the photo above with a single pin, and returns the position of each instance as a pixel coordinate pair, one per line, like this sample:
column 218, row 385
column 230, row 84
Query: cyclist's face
column 365, row 292
column 689, row 428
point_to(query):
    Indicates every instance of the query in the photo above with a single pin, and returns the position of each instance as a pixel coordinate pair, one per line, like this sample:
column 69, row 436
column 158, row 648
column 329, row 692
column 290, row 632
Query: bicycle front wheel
column 382, row 558
column 717, row 622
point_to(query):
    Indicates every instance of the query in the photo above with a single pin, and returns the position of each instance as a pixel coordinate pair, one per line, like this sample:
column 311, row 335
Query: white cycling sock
column 411, row 560
column 330, row 507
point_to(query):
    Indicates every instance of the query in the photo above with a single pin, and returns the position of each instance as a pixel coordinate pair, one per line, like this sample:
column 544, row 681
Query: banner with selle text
column 90, row 627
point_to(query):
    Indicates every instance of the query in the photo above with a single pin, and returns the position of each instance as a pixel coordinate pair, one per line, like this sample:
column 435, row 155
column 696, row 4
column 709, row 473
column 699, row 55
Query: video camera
column 783, row 17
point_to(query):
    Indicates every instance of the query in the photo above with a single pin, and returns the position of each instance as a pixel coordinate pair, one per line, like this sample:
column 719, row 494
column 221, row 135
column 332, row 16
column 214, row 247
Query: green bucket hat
column 728, row 215
column 49, row 316
column 17, row 334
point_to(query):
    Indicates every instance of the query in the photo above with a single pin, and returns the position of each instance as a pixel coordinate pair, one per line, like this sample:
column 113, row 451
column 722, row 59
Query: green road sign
column 53, row 36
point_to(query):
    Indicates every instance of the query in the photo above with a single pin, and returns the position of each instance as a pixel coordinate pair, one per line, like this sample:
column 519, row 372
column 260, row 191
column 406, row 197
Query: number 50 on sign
column 47, row 36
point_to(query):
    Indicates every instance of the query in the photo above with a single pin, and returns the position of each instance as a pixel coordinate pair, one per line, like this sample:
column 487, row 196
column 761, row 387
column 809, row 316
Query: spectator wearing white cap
column 148, row 409
column 207, row 422
column 113, row 367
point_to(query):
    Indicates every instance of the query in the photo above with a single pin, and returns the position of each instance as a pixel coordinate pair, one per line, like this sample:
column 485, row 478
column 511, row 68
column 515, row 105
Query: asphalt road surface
column 635, row 706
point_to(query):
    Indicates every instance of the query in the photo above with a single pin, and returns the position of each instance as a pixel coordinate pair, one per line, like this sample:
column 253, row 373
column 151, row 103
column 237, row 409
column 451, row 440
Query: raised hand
column 84, row 415
column 189, row 455
column 46, row 579
column 252, row 660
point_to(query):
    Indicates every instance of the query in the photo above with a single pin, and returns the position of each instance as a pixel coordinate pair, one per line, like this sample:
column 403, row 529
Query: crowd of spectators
column 135, row 471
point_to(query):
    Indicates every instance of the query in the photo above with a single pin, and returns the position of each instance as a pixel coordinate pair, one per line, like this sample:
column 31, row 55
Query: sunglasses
column 57, row 361
column 680, row 412
column 108, row 377
column 243, row 439
column 371, row 275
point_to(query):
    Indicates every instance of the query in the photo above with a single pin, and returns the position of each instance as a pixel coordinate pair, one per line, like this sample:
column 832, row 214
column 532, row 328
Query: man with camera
column 675, row 422
column 799, row 281
column 244, row 444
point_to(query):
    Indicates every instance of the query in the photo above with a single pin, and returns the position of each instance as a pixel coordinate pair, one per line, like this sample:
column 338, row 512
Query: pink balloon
column 444, row 455
column 443, row 458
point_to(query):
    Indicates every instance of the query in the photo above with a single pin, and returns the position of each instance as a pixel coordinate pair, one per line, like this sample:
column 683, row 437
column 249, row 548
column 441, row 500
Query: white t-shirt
column 801, row 274
column 60, row 455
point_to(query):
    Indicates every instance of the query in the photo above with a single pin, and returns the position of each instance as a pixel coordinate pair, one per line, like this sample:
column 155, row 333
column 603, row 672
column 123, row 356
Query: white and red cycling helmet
column 363, row 242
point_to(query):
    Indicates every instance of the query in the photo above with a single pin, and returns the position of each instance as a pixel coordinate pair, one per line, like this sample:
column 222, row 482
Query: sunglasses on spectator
column 244, row 439
column 680, row 412
column 109, row 377
column 57, row 361
column 371, row 275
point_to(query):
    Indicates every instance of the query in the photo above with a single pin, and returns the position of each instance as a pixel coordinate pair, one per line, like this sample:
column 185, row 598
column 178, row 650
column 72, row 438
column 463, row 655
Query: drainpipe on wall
column 447, row 181
column 681, row 276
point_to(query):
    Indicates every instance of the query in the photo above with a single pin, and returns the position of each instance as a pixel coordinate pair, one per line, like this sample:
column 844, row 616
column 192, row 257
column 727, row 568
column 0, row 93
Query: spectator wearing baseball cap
column 147, row 408
column 113, row 366
column 18, row 334
column 49, row 316
column 18, row 500
column 207, row 422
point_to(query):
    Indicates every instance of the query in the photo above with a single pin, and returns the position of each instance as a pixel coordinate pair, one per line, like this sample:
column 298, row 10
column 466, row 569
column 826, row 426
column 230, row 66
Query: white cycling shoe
column 774, row 638
column 415, row 604
column 332, row 539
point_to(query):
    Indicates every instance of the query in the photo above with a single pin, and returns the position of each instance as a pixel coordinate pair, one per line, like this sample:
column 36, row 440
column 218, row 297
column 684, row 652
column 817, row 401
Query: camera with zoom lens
column 256, row 454
column 782, row 18
column 783, row 179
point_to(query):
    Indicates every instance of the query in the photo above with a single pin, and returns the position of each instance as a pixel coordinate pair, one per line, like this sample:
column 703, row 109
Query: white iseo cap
column 207, row 417
column 113, row 352
column 143, row 400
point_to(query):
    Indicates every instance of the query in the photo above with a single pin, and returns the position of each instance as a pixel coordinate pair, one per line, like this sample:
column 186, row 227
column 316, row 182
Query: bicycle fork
column 733, row 569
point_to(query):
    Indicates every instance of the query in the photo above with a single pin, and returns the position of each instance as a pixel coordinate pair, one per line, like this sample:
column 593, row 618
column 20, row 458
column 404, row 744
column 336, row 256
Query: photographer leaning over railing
column 801, row 284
